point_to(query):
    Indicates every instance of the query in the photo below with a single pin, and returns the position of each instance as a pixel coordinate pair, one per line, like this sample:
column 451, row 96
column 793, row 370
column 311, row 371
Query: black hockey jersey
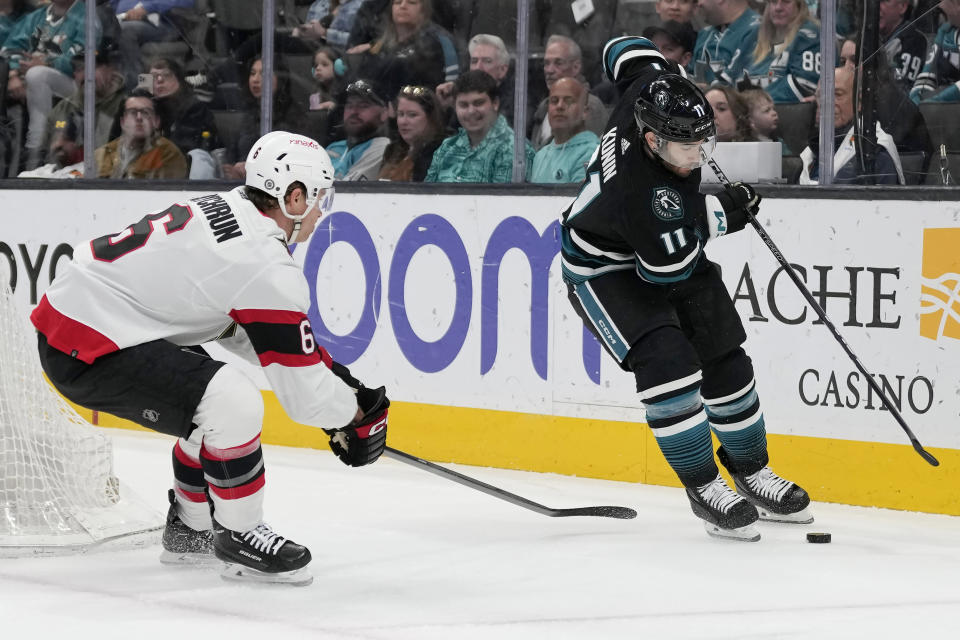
column 631, row 212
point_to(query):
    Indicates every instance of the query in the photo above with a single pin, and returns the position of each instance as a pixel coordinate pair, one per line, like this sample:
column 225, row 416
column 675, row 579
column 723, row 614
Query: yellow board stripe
column 845, row 471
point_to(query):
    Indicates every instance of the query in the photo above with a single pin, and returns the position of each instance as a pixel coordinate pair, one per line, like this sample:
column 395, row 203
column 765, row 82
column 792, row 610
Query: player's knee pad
column 664, row 364
column 231, row 411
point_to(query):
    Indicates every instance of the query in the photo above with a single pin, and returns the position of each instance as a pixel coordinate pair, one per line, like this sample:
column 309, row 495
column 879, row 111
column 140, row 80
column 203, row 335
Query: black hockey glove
column 736, row 199
column 362, row 441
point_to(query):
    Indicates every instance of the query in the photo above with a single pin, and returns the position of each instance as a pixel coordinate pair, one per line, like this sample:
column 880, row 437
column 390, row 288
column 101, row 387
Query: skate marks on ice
column 398, row 555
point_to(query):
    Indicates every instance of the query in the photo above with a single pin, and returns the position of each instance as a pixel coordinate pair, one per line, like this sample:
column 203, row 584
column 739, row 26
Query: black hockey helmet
column 675, row 109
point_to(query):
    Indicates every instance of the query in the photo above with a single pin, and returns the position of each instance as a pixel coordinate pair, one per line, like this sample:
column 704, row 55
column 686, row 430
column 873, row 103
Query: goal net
column 58, row 493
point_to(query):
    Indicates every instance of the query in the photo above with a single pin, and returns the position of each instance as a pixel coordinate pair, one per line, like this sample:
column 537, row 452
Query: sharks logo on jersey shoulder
column 667, row 204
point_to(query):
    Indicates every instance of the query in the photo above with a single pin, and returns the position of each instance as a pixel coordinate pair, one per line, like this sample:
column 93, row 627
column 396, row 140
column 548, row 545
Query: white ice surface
column 401, row 554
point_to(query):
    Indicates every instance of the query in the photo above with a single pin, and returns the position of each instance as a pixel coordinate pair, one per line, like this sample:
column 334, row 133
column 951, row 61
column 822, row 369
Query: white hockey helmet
column 281, row 158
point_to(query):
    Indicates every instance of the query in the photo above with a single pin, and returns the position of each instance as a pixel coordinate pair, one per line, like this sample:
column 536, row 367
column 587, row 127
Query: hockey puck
column 818, row 538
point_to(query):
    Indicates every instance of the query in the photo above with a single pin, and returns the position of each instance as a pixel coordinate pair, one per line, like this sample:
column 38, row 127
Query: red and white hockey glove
column 362, row 441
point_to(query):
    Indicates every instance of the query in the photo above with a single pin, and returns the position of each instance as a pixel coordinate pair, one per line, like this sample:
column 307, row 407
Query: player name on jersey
column 220, row 217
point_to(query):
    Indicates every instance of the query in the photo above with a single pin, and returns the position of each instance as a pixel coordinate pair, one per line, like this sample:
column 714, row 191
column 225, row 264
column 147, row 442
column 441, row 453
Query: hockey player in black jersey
column 117, row 333
column 632, row 256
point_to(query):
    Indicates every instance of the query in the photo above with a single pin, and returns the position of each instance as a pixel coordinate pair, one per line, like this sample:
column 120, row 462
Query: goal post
column 58, row 492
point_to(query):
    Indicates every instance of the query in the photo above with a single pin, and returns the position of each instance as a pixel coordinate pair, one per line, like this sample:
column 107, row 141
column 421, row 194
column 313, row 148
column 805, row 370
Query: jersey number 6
column 110, row 247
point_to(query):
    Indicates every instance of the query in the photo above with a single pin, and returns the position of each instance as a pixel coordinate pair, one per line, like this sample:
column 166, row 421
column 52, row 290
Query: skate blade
column 748, row 533
column 800, row 517
column 298, row 578
column 189, row 558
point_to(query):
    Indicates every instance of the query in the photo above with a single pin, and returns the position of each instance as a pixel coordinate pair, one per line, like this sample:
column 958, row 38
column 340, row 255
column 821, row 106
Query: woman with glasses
column 420, row 131
column 786, row 60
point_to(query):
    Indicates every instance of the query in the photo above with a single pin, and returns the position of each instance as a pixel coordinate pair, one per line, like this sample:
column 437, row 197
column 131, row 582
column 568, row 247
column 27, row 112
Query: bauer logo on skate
column 940, row 284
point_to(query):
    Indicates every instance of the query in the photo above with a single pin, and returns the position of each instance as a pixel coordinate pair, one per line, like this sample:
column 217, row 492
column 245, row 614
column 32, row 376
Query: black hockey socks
column 188, row 476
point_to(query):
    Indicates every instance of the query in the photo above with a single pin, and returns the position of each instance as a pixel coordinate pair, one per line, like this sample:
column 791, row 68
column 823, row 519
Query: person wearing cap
column 65, row 155
column 565, row 158
column 675, row 40
column 360, row 154
column 108, row 100
column 482, row 150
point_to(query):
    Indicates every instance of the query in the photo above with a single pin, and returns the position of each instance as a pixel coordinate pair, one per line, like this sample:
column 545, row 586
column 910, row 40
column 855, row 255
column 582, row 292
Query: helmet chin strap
column 297, row 221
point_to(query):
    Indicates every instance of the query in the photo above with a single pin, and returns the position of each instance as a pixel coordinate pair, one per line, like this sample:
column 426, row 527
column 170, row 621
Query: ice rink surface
column 400, row 554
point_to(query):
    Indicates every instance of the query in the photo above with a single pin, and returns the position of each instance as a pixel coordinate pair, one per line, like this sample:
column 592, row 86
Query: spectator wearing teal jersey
column 564, row 159
column 40, row 52
column 786, row 59
column 482, row 150
column 939, row 81
column 723, row 48
column 11, row 12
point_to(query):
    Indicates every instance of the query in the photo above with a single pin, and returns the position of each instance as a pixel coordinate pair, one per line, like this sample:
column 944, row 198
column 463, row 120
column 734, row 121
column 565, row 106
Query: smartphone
column 145, row 81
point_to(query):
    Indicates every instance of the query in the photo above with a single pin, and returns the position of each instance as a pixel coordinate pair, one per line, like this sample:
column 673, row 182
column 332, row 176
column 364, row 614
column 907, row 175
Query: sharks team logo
column 667, row 203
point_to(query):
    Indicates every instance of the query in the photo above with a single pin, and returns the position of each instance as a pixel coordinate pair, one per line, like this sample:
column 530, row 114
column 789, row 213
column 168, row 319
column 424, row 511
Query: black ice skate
column 183, row 545
column 777, row 499
column 724, row 513
column 261, row 555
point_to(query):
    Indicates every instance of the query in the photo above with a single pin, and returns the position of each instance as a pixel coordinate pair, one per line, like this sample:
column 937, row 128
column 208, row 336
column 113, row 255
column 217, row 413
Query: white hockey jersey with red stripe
column 185, row 275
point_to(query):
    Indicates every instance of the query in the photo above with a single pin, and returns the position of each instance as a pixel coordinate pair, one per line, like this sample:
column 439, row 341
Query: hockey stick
column 624, row 513
column 874, row 385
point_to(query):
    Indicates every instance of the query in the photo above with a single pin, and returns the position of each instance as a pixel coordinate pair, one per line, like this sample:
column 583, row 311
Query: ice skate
column 776, row 499
column 261, row 555
column 183, row 545
column 724, row 513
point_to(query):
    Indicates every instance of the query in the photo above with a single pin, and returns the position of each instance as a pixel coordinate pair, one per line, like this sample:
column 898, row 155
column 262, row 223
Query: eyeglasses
column 145, row 113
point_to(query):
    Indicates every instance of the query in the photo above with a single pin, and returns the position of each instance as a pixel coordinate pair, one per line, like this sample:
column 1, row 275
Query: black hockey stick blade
column 822, row 314
column 623, row 513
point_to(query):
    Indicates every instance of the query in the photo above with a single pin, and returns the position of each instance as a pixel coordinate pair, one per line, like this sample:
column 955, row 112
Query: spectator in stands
column 723, row 47
column 360, row 155
column 40, row 51
column 898, row 116
column 786, row 59
column 939, row 81
column 562, row 59
column 11, row 12
column 326, row 79
column 65, row 155
column 420, row 130
column 565, row 158
column 317, row 21
column 763, row 118
column 184, row 120
column 144, row 21
column 287, row 115
column 886, row 169
column 730, row 114
column 487, row 53
column 108, row 100
column 675, row 10
column 339, row 31
column 905, row 45
column 140, row 151
column 482, row 150
column 412, row 50
column 848, row 56
column 675, row 40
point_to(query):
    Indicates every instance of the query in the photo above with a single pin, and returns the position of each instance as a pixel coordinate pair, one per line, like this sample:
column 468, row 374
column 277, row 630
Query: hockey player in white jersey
column 118, row 329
